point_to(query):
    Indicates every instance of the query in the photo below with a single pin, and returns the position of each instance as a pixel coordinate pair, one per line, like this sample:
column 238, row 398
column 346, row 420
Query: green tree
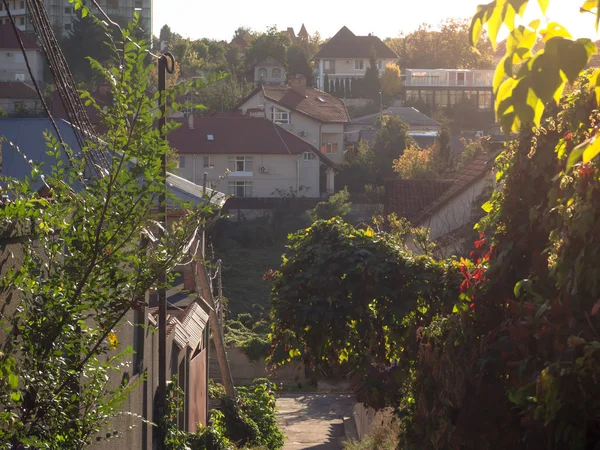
column 371, row 81
column 90, row 251
column 338, row 205
column 445, row 45
column 298, row 62
column 272, row 43
column 419, row 163
column 390, row 141
column 165, row 34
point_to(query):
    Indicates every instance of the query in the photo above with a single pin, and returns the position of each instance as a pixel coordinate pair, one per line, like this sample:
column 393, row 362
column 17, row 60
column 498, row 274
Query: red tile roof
column 345, row 44
column 317, row 104
column 17, row 90
column 418, row 199
column 239, row 136
column 8, row 38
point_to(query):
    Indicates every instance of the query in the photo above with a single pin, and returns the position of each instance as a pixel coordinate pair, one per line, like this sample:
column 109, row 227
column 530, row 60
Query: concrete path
column 313, row 421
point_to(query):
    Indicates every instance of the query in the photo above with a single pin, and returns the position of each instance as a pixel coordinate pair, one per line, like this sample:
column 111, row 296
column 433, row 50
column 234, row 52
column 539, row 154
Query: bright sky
column 219, row 19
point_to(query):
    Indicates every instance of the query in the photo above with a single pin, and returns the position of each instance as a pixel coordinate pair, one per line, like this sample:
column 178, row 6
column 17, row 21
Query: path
column 313, row 421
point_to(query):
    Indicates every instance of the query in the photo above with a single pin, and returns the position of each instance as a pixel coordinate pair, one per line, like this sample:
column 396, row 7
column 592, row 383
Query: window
column 460, row 78
column 276, row 73
column 112, row 4
column 21, row 20
column 22, row 4
column 329, row 147
column 309, row 156
column 241, row 164
column 210, row 137
column 138, row 4
column 181, row 162
column 262, row 73
column 326, row 65
column 68, row 10
column 68, row 26
column 359, row 64
column 240, row 188
column 279, row 115
column 208, row 161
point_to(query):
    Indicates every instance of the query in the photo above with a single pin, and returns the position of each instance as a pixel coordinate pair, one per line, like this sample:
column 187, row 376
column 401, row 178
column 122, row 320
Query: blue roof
column 25, row 142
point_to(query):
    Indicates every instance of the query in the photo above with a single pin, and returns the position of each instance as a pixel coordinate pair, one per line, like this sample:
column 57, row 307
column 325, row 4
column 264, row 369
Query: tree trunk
column 203, row 290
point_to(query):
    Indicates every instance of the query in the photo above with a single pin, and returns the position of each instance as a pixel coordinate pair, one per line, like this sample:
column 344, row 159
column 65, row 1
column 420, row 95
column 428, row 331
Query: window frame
column 208, row 162
column 309, row 156
column 246, row 161
column 276, row 73
column 329, row 148
column 180, row 161
column 360, row 63
column 284, row 116
column 246, row 186
column 262, row 70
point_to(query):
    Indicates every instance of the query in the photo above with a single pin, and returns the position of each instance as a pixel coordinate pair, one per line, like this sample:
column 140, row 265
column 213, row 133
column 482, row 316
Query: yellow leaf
column 555, row 29
column 369, row 232
column 113, row 340
column 575, row 341
column 595, row 81
column 591, row 151
column 543, row 5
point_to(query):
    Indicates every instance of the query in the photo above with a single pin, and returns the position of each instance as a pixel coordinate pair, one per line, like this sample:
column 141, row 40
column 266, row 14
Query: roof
column 316, row 104
column 8, row 38
column 26, row 143
column 345, row 44
column 418, row 199
column 17, row 90
column 238, row 136
column 408, row 198
column 413, row 117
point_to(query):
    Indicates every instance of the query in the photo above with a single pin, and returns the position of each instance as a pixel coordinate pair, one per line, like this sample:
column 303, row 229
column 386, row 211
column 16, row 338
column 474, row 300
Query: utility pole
column 163, row 68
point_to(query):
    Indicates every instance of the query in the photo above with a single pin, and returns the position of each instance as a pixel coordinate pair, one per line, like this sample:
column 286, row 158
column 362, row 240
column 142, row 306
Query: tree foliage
column 390, row 141
column 445, row 45
column 391, row 82
column 338, row 205
column 91, row 248
column 419, row 163
column 371, row 84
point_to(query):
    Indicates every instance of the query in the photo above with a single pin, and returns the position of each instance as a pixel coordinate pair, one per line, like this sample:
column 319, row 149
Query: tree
column 165, row 34
column 443, row 46
column 326, row 83
column 391, row 82
column 419, row 163
column 272, row 43
column 299, row 63
column 338, row 205
column 371, row 82
column 91, row 249
column 390, row 141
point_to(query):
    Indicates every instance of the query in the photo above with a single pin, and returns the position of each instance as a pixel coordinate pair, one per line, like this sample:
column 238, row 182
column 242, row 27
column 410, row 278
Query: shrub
column 338, row 205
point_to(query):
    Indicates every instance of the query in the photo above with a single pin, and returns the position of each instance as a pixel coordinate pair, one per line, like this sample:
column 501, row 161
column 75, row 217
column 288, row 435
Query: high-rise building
column 61, row 13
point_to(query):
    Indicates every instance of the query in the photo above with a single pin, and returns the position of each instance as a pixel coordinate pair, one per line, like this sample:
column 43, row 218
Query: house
column 346, row 56
column 17, row 10
column 187, row 331
column 443, row 88
column 444, row 207
column 249, row 157
column 269, row 71
column 313, row 115
column 12, row 62
column 18, row 98
column 422, row 128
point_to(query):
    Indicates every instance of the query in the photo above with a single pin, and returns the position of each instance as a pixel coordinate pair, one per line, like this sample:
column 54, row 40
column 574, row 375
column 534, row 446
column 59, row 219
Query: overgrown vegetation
column 338, row 205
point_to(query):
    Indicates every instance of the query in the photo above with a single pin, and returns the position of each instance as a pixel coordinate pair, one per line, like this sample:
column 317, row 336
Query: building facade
column 269, row 71
column 313, row 115
column 345, row 57
column 443, row 88
column 249, row 158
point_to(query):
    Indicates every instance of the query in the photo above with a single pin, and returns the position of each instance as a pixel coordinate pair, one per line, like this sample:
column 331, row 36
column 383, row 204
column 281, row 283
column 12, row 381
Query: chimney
column 298, row 84
column 191, row 121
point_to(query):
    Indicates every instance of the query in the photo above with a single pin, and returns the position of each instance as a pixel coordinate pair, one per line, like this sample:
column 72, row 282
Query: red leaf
column 596, row 308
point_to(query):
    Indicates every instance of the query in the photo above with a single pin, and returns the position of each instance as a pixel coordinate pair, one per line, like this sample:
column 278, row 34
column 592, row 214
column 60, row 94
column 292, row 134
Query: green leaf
column 13, row 381
column 591, row 151
column 575, row 155
column 15, row 396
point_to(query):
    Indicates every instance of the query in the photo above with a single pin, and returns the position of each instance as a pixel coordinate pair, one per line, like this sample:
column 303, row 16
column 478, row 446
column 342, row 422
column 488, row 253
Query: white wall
column 455, row 213
column 283, row 173
column 12, row 63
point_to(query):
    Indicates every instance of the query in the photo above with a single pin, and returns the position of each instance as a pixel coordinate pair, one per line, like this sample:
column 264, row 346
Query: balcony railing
column 446, row 83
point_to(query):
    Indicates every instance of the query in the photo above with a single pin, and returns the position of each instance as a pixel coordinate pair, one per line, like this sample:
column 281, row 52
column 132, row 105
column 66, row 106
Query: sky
column 219, row 19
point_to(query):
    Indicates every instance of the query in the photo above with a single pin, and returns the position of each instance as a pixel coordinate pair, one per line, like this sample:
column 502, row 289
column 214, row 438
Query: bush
column 338, row 205
column 384, row 435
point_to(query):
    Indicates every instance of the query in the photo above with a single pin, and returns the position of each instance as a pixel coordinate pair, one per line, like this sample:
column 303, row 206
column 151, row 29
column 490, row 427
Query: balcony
column 449, row 78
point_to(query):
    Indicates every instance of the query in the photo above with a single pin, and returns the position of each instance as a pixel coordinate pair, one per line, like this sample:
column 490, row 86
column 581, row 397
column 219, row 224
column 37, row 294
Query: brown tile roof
column 418, row 199
column 17, row 90
column 8, row 38
column 408, row 198
column 317, row 104
column 238, row 136
column 345, row 44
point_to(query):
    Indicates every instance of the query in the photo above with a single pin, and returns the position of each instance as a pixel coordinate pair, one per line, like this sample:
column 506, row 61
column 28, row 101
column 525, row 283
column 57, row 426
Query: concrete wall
column 284, row 172
column 12, row 63
column 245, row 371
column 365, row 418
column 269, row 65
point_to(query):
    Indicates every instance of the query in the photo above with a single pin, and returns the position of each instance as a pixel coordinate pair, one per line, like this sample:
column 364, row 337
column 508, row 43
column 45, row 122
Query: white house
column 346, row 56
column 313, row 115
column 12, row 61
column 249, row 157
